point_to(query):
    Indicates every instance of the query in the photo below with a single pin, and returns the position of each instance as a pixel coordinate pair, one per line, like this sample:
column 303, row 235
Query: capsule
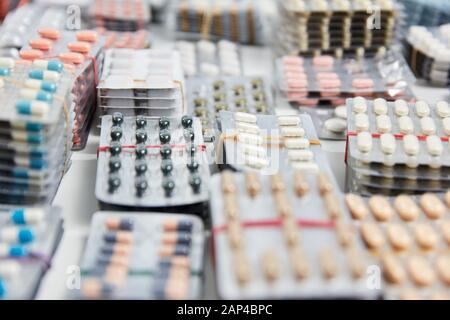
column 245, row 117
column 113, row 223
column 40, row 44
column 12, row 251
column 15, row 234
column 179, row 225
column 24, row 216
column 288, row 121
column 51, row 65
column 300, row 184
column 124, row 237
column 40, row 85
column 46, row 75
column 36, row 108
column 31, row 94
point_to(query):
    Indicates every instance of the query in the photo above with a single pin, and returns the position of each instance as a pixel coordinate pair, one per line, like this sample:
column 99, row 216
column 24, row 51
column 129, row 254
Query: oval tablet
column 300, row 155
column 356, row 206
column 49, row 33
column 406, row 208
column 443, row 268
column 341, row 112
column 443, row 109
column 428, row 126
column 380, row 106
column 336, row 125
column 288, row 121
column 364, row 142
column 79, row 46
column 293, row 143
column 411, row 145
column 421, row 271
column 381, row 208
column 359, row 105
column 434, row 146
column 362, row 122
column 292, row 132
column 425, row 236
column 432, row 206
column 406, row 125
column 388, row 143
column 422, row 109
column 398, row 236
column 392, row 269
column 384, row 124
column 372, row 235
column 401, row 108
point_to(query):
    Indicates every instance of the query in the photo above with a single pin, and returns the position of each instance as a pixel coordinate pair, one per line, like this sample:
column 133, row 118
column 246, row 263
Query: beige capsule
column 381, row 208
column 357, row 206
column 299, row 263
column 425, row 236
column 235, row 234
column 301, row 186
column 420, row 271
column 344, row 234
column 270, row 266
column 252, row 184
column 332, row 206
column 231, row 206
column 356, row 263
column 445, row 229
column 406, row 208
column 227, row 182
column 241, row 268
column 290, row 231
column 277, row 183
column 398, row 236
column 324, row 184
column 393, row 270
column 328, row 263
column 372, row 235
column 432, row 206
column 443, row 268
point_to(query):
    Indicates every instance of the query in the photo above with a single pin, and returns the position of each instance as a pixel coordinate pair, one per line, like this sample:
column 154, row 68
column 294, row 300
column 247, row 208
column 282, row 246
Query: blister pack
column 285, row 236
column 82, row 54
column 152, row 163
column 142, row 82
column 120, row 15
column 427, row 13
column 410, row 238
column 407, row 144
column 338, row 27
column 125, row 40
column 209, row 96
column 239, row 21
column 428, row 53
column 143, row 256
column 205, row 58
column 35, row 135
column 28, row 239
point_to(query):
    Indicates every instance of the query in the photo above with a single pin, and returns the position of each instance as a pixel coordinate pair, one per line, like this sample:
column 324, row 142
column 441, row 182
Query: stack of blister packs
column 82, row 53
column 396, row 147
column 35, row 135
column 121, row 15
column 427, row 13
column 428, row 53
column 336, row 26
column 142, row 82
column 28, row 239
column 239, row 21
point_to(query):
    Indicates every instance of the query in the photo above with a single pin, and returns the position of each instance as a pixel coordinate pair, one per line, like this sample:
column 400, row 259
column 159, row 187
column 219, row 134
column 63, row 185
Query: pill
column 79, row 46
column 357, row 206
column 270, row 266
column 398, row 236
column 388, row 143
column 341, row 112
column 255, row 162
column 422, row 109
column 116, row 133
column 425, row 236
column 364, row 142
column 4, row 73
column 46, row 75
column 434, row 146
column 381, row 208
column 401, row 108
column 245, row 117
column 300, row 184
column 195, row 182
column 164, row 123
column 187, row 121
column 336, row 125
column 168, row 186
column 252, row 184
column 42, row 85
column 230, row 206
column 323, row 61
column 324, row 184
column 299, row 263
column 165, row 151
column 193, row 166
column 115, row 148
column 292, row 132
column 305, row 166
column 31, row 54
column 252, row 150
column 242, row 269
column 406, row 208
column 328, row 264
column 296, row 143
column 300, row 155
column 14, row 234
column 166, row 166
column 52, row 65
column 372, row 235
column 141, row 122
column 405, row 125
column 432, row 206
column 443, row 109
column 443, row 268
column 71, row 57
column 180, row 225
column 445, row 229
column 290, row 230
column 344, row 233
column 288, row 121
column 164, row 136
column 114, row 164
column 383, row 124
column 8, row 63
column 40, row 44
column 277, row 183
column 36, row 108
column 362, row 122
column 227, row 182
column 87, row 36
column 411, row 145
column 28, row 216
column 49, row 33
column 247, row 127
column 380, row 107
column 249, row 138
column 124, row 237
column 428, row 126
column 235, row 234
column 392, row 269
column 332, row 205
column 359, row 105
column 420, row 271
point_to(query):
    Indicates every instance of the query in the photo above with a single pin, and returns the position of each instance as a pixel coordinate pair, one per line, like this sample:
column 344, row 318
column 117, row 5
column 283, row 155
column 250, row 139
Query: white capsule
column 245, row 117
column 362, row 122
column 300, row 155
column 288, row 121
column 27, row 216
column 8, row 63
column 388, row 143
column 380, row 106
column 341, row 112
column 384, row 124
column 10, row 234
column 401, row 108
column 292, row 132
column 434, row 146
column 359, row 105
column 422, row 109
column 364, row 141
column 253, row 150
column 247, row 127
column 411, row 145
column 443, row 109
column 446, row 125
column 406, row 125
column 249, row 138
column 256, row 162
column 296, row 143
column 9, row 269
column 51, row 76
column 428, row 126
column 305, row 166
column 33, row 84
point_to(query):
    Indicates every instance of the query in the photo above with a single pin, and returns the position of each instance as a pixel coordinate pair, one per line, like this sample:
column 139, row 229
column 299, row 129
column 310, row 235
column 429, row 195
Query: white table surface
column 76, row 194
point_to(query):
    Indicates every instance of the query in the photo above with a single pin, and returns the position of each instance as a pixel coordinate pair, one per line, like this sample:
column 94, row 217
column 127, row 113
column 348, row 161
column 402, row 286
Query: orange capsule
column 49, row 33
column 87, row 36
column 71, row 57
column 41, row 44
column 31, row 54
column 79, row 46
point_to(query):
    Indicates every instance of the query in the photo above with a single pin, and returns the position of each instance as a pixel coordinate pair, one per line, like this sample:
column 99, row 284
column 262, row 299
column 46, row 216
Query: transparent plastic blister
column 289, row 245
column 149, row 261
column 138, row 169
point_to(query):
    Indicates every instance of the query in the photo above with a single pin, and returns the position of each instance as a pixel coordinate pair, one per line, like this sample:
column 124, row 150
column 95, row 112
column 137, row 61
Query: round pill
column 189, row 134
column 422, row 109
column 443, row 109
column 165, row 151
column 421, row 271
column 398, row 237
column 381, row 208
column 141, row 122
column 393, row 269
column 401, row 108
column 141, row 186
column 364, row 142
column 359, row 105
column 425, row 236
column 113, row 183
column 141, row 136
column 432, row 206
column 187, row 121
column 362, row 122
column 166, row 166
column 164, row 136
column 141, row 151
column 357, row 206
column 140, row 167
column 195, row 182
column 115, row 148
column 164, row 123
column 406, row 208
column 336, row 125
column 383, row 124
column 168, row 185
column 193, row 166
column 341, row 112
column 116, row 133
column 380, row 107
column 428, row 126
column 114, row 164
column 406, row 125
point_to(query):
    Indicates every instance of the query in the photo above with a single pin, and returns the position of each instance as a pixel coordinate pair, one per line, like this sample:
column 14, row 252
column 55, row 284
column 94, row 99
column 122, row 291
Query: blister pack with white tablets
column 208, row 96
column 330, row 123
column 28, row 238
column 285, row 236
column 152, row 163
column 268, row 143
column 208, row 59
column 410, row 238
column 143, row 256
column 152, row 85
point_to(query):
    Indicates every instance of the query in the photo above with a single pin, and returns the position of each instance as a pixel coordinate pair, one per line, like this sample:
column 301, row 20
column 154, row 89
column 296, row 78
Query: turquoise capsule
column 5, row 72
